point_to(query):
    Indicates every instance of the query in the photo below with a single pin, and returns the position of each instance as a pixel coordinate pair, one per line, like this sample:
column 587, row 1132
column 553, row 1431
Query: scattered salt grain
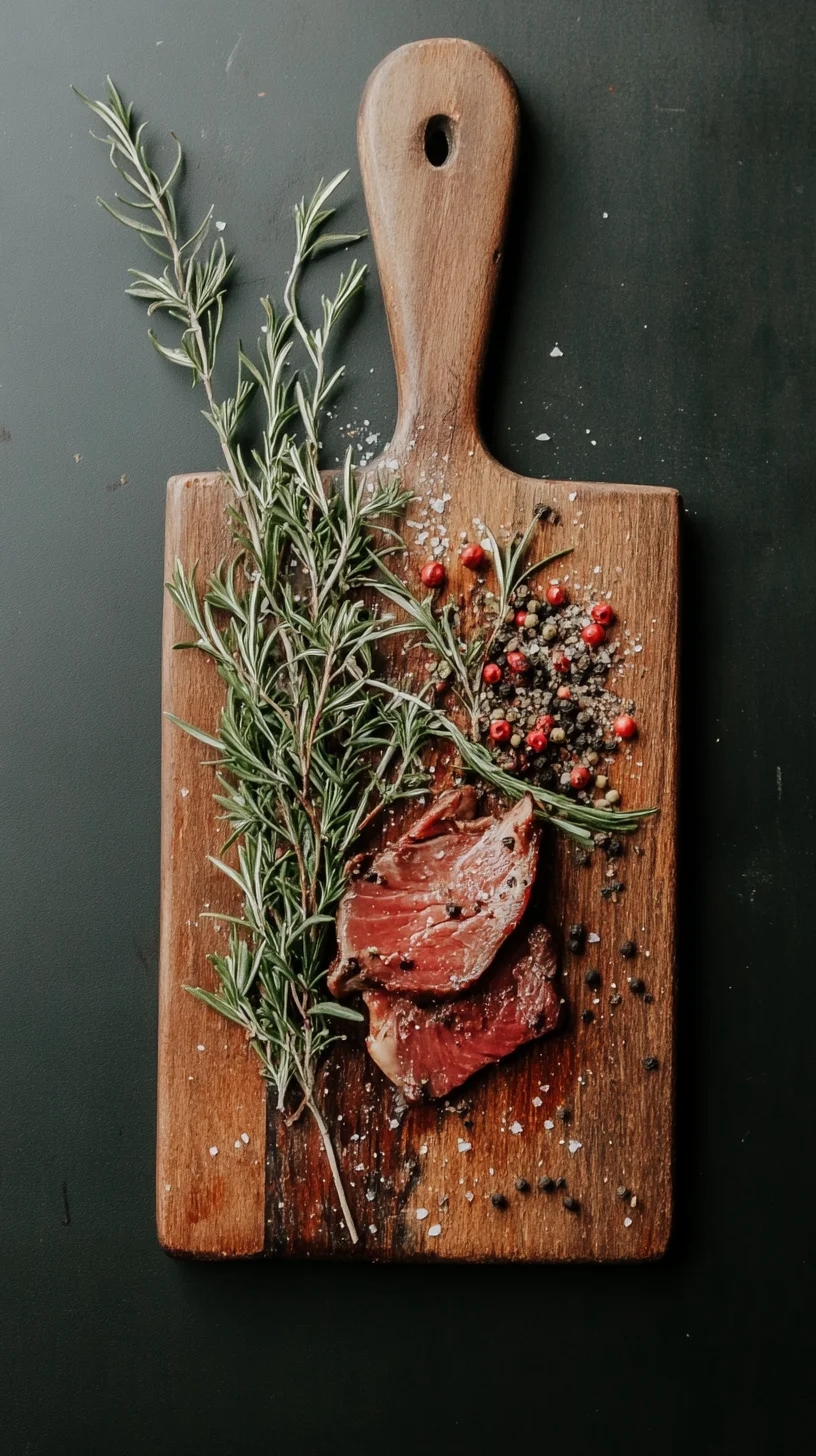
column 574, row 1145
column 424, row 1148
column 220, row 226
column 370, row 1196
column 542, row 437
column 593, row 938
column 549, row 1124
column 200, row 1047
column 573, row 495
column 627, row 1223
column 469, row 1197
column 463, row 1146
column 537, row 1102
column 213, row 1152
column 184, row 793
column 421, row 1213
column 434, row 1231
column 516, row 1128
column 394, row 1122
column 556, row 353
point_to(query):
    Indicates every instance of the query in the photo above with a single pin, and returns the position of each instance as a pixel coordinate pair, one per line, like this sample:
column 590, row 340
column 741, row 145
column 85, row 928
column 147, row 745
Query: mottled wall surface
column 663, row 241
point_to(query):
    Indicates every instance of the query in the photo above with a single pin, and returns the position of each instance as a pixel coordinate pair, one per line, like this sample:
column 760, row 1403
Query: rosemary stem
column 328, row 1147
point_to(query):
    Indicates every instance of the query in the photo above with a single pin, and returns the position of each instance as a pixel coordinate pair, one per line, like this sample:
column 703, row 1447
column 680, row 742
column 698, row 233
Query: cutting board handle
column 438, row 139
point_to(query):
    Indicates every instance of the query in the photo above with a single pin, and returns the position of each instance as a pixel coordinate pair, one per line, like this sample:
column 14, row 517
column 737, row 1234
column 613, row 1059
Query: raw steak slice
column 427, row 915
column 428, row 1050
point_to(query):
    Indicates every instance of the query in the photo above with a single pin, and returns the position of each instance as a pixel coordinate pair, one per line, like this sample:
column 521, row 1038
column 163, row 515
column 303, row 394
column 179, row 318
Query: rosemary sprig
column 310, row 749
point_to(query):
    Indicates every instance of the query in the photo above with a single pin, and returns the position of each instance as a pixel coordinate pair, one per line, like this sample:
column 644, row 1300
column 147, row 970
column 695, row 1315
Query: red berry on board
column 563, row 693
column 556, row 596
column 500, row 731
column 603, row 614
column 546, row 722
column 625, row 726
column 520, row 618
column 491, row 672
column 594, row 634
column 561, row 662
column 473, row 557
column 580, row 778
column 433, row 574
column 536, row 740
column 517, row 662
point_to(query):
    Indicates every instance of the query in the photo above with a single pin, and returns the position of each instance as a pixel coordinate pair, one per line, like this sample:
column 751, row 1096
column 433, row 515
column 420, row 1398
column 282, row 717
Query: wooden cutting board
column 438, row 135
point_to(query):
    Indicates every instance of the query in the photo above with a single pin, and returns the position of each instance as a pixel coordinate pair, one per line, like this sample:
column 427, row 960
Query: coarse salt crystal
column 370, row 1196
column 463, row 1146
column 542, row 437
column 593, row 938
column 549, row 1124
column 556, row 353
column 244, row 1137
column 424, row 1148
column 627, row 1223
column 220, row 226
column 516, row 1128
column 434, row 1231
column 573, row 495
column 469, row 1197
column 537, row 1102
column 421, row 1213
column 213, row 1152
column 394, row 1122
column 574, row 1145
column 184, row 793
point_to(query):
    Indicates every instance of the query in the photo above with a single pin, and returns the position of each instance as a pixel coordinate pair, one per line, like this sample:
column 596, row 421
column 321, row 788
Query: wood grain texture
column 210, row 1095
column 437, row 232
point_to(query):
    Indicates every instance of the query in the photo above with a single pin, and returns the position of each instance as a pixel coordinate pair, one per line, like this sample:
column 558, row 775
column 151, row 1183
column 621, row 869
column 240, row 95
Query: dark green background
column 686, row 323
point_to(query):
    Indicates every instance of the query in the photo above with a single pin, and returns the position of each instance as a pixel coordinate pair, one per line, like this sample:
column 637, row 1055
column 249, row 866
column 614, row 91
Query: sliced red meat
column 427, row 915
column 428, row 1050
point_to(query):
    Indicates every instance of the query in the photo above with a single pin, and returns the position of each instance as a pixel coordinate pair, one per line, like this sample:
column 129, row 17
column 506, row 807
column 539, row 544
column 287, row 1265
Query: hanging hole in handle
column 438, row 140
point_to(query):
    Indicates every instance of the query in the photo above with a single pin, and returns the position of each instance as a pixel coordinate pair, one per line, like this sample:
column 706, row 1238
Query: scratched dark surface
column 686, row 322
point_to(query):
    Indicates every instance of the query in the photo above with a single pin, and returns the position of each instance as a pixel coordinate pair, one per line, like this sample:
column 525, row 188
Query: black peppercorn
column 613, row 849
column 563, row 1113
column 406, row 964
column 453, row 911
column 509, row 842
column 651, row 1064
column 649, row 999
column 636, row 986
column 571, row 1204
column 498, row 1200
column 577, row 936
column 593, row 977
column 522, row 1186
column 588, row 1015
column 546, row 1185
column 628, row 949
column 560, row 1182
column 581, row 857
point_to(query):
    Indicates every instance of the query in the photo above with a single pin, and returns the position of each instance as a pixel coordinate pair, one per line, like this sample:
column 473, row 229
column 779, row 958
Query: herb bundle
column 312, row 745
